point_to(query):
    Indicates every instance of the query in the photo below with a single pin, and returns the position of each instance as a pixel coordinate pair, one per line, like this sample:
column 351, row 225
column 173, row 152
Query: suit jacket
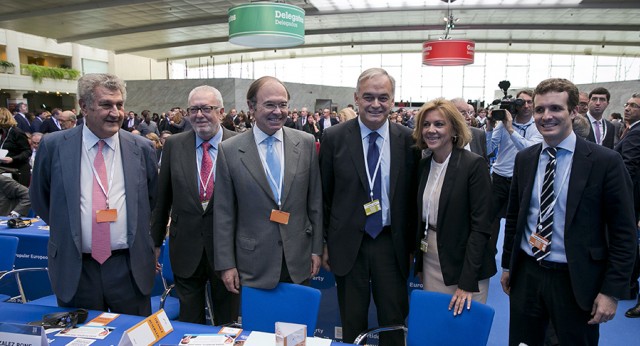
column 346, row 189
column 55, row 196
column 463, row 222
column 320, row 124
column 48, row 126
column 610, row 136
column 36, row 124
column 23, row 123
column 13, row 197
column 308, row 129
column 600, row 231
column 244, row 238
column 145, row 128
column 478, row 142
column 629, row 149
column 125, row 124
column 191, row 229
column 17, row 144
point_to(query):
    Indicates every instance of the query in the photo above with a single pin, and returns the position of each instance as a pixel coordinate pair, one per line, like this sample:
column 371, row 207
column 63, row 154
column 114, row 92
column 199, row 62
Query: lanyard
column 112, row 170
column 522, row 128
column 204, row 185
column 375, row 172
column 263, row 158
column 544, row 214
column 7, row 137
column 433, row 189
column 600, row 123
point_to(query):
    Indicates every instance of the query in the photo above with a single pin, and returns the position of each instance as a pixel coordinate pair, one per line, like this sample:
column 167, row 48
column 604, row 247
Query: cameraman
column 509, row 136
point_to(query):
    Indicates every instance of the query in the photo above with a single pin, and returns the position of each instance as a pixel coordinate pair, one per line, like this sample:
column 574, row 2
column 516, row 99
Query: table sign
column 148, row 331
column 12, row 334
column 103, row 319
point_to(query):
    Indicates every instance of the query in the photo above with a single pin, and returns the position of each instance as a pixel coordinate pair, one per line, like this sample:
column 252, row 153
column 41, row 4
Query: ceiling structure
column 180, row 29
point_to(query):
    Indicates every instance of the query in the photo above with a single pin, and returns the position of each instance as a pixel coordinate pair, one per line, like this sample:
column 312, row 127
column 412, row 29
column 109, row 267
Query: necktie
column 545, row 224
column 373, row 225
column 273, row 163
column 100, row 232
column 206, row 181
column 598, row 136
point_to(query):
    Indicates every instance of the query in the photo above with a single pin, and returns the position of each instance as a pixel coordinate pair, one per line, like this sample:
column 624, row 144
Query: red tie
column 100, row 233
column 206, row 179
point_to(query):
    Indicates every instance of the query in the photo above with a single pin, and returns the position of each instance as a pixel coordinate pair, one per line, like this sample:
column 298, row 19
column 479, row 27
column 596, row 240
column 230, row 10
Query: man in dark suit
column 268, row 200
column 326, row 121
column 602, row 130
column 185, row 189
column 570, row 233
column 368, row 183
column 38, row 120
column 21, row 117
column 51, row 124
column 95, row 186
column 629, row 149
column 131, row 122
column 14, row 198
column 478, row 144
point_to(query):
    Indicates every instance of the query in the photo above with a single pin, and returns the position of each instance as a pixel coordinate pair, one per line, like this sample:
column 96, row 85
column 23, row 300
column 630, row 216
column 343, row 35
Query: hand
column 505, row 282
column 325, row 259
column 315, row 265
column 603, row 310
column 458, row 300
column 508, row 121
column 231, row 280
column 157, row 253
column 6, row 160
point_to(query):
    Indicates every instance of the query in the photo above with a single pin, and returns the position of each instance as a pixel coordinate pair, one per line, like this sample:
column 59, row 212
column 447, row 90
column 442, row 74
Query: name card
column 12, row 334
column 148, row 331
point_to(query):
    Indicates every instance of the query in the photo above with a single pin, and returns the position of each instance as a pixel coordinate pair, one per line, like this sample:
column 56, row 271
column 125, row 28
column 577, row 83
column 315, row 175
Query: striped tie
column 545, row 224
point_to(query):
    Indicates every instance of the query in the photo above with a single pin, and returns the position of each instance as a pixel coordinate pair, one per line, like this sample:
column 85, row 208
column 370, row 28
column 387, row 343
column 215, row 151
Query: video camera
column 507, row 102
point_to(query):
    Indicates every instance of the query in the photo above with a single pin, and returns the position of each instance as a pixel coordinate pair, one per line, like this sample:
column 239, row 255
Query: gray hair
column 375, row 72
column 89, row 82
column 209, row 89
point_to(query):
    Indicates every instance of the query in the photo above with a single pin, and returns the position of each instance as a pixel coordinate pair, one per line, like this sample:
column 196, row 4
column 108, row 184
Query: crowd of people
column 362, row 192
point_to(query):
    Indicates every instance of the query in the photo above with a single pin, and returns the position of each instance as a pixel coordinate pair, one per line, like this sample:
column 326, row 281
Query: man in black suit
column 38, row 120
column 368, row 167
column 326, row 121
column 131, row 122
column 51, row 124
column 602, row 131
column 629, row 149
column 21, row 117
column 570, row 233
column 185, row 193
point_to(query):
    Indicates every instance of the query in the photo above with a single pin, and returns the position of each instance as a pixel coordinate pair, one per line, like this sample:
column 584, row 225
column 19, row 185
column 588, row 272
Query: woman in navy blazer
column 454, row 254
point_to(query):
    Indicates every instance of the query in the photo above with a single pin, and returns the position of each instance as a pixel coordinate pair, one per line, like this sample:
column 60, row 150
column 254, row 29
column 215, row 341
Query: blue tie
column 373, row 226
column 274, row 167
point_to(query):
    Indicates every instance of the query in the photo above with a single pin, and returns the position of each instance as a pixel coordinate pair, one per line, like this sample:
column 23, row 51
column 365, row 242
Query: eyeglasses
column 273, row 106
column 205, row 109
column 632, row 105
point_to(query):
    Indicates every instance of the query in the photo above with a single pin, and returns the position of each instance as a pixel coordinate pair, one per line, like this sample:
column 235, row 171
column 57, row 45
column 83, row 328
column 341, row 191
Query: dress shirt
column 55, row 121
column 213, row 152
column 603, row 128
column 326, row 122
column 385, row 164
column 432, row 191
column 278, row 144
column 564, row 159
column 509, row 145
column 117, row 193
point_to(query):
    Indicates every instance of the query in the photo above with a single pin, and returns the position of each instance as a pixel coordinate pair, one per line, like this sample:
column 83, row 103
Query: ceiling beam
column 56, row 10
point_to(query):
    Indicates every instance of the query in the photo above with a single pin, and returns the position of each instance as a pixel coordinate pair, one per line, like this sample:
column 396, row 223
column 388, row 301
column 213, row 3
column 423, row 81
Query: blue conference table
column 24, row 313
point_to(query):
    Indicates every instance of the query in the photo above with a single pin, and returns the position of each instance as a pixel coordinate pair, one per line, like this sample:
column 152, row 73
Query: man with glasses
column 508, row 137
column 602, row 131
column 629, row 148
column 268, row 203
column 478, row 144
column 185, row 191
column 583, row 104
column 67, row 120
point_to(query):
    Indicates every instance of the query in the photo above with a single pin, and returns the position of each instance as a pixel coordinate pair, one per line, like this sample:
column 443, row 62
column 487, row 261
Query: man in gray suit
column 268, row 198
column 14, row 198
column 95, row 186
column 185, row 189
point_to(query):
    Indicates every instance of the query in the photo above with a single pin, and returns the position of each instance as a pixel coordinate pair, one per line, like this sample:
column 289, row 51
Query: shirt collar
column 214, row 141
column 568, row 144
column 383, row 131
column 90, row 139
column 525, row 124
column 592, row 119
column 261, row 136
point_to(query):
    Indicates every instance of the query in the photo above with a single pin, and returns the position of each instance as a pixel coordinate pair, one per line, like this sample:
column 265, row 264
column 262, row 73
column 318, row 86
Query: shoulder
column 226, row 133
column 237, row 140
column 529, row 151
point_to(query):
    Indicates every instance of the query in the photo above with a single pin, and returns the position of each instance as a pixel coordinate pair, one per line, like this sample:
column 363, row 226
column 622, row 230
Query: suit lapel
column 580, row 168
column 354, row 143
column 291, row 161
column 448, row 183
column 70, row 152
column 530, row 164
column 189, row 167
column 131, row 154
column 250, row 158
column 397, row 158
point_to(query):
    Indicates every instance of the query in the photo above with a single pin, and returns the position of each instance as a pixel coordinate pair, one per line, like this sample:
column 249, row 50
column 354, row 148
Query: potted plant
column 6, row 66
column 38, row 72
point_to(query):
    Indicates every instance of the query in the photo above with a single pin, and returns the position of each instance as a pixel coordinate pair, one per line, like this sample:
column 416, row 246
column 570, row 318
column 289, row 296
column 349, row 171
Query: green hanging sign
column 266, row 25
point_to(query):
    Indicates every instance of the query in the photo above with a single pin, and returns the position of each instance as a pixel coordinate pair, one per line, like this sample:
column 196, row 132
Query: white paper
column 268, row 339
column 3, row 153
column 87, row 332
column 81, row 342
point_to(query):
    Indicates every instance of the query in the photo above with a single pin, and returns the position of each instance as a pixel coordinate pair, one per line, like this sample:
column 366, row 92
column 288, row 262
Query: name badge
column 372, row 207
column 106, row 215
column 424, row 244
column 539, row 242
column 279, row 216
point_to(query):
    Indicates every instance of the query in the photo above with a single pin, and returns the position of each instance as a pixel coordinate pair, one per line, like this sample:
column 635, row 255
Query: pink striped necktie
column 206, row 180
column 100, row 232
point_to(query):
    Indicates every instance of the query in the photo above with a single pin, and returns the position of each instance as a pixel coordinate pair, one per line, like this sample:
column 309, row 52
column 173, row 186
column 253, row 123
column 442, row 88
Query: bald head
column 67, row 120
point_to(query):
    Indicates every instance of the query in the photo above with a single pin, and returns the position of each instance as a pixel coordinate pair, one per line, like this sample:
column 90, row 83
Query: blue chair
column 8, row 249
column 291, row 303
column 431, row 323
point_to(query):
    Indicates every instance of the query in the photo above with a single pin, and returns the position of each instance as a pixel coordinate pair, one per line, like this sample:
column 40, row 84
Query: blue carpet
column 619, row 331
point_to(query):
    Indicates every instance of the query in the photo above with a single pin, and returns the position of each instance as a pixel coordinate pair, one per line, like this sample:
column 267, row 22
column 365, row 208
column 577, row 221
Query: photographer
column 508, row 136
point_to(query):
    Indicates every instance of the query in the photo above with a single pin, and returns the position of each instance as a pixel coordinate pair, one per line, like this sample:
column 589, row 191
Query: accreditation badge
column 372, row 207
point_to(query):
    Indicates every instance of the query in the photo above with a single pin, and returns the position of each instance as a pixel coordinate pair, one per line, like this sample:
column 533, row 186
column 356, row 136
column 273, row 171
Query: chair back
column 8, row 249
column 291, row 303
column 167, row 272
column 431, row 322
